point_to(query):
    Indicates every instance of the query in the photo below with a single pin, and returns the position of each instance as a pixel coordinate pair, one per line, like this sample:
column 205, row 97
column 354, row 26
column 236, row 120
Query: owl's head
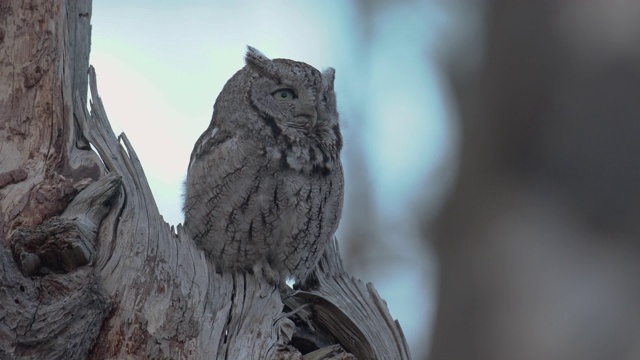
column 293, row 98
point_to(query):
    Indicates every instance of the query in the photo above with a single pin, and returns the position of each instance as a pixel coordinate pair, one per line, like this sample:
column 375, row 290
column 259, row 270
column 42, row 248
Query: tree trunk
column 89, row 267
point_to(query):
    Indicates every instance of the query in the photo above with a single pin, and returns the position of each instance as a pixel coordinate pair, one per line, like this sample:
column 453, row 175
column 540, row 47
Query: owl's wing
column 207, row 143
column 226, row 211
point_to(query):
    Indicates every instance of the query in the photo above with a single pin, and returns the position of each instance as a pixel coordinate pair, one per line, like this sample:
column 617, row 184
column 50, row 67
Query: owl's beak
column 311, row 115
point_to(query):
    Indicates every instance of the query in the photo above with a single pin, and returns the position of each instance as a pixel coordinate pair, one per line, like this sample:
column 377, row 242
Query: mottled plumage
column 264, row 187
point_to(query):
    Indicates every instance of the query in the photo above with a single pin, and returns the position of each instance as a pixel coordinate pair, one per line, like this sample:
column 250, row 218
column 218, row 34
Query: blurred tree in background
column 538, row 243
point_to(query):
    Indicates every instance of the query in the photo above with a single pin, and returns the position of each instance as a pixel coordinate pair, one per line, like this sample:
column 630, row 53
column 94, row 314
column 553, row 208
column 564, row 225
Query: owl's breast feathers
column 303, row 156
column 312, row 151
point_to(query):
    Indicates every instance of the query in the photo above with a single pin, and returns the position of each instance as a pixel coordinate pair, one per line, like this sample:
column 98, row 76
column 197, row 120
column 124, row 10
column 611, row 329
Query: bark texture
column 89, row 267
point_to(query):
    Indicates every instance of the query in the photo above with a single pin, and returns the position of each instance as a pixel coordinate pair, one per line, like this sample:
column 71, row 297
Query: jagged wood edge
column 167, row 298
column 352, row 312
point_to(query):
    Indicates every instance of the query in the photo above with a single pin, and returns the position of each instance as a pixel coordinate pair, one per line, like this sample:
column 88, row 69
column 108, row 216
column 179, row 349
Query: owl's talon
column 264, row 270
column 303, row 312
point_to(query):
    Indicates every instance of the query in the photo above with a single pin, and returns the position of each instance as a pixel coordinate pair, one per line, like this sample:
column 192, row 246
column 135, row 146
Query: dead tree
column 89, row 269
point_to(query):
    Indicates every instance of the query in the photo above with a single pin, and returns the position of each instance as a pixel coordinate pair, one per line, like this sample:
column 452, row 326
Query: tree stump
column 90, row 270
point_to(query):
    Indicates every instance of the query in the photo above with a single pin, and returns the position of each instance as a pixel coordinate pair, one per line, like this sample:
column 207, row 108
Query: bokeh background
column 492, row 151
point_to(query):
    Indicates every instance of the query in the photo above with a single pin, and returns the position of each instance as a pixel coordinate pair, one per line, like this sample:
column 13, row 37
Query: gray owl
column 264, row 187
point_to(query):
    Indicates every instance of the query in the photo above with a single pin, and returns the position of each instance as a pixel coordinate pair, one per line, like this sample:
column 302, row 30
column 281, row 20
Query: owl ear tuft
column 328, row 76
column 255, row 58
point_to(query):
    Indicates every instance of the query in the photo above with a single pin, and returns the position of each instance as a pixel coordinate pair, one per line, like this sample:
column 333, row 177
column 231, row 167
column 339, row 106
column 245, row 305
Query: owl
column 264, row 187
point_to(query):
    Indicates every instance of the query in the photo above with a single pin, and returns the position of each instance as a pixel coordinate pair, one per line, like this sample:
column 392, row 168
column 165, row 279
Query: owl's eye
column 284, row 94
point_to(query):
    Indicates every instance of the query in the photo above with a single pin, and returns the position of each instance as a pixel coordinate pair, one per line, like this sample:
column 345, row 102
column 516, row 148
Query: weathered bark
column 89, row 267
column 352, row 313
column 44, row 48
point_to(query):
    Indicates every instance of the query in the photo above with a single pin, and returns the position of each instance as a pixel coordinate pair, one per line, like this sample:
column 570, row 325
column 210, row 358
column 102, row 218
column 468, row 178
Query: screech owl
column 264, row 187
